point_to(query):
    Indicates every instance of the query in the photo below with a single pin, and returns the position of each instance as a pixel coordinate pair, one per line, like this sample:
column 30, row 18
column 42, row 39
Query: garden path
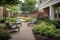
column 24, row 34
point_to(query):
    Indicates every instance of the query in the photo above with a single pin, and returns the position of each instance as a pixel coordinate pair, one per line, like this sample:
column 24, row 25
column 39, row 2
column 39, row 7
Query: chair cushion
column 14, row 26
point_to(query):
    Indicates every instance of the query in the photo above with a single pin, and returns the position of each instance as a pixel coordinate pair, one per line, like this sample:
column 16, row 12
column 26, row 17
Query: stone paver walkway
column 24, row 34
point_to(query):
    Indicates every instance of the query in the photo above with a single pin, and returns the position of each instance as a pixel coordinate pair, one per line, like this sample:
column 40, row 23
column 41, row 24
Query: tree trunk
column 4, row 12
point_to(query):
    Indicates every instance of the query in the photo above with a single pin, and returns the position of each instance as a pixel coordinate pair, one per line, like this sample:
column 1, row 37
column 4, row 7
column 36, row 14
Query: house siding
column 48, row 3
column 48, row 6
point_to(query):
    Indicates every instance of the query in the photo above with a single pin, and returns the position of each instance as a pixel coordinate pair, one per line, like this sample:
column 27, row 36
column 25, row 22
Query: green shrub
column 39, row 21
column 11, row 20
column 4, row 35
column 46, row 29
column 2, row 26
column 57, row 24
column 54, row 22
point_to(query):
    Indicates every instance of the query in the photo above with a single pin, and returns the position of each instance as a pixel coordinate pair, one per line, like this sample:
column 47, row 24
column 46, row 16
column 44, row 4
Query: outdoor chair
column 18, row 22
column 32, row 22
column 12, row 27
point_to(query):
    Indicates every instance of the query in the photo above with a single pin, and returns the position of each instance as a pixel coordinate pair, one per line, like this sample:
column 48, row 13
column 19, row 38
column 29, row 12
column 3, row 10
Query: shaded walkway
column 24, row 34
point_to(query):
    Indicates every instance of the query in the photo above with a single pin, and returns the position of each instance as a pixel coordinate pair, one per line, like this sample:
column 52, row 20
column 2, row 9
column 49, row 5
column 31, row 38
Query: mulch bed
column 42, row 37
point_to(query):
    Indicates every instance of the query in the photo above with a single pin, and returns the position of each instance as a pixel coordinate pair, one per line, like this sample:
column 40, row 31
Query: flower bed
column 46, row 31
column 42, row 37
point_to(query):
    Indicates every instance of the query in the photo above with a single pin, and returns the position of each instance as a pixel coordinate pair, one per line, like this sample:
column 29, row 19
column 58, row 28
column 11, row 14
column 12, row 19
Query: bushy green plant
column 11, row 20
column 39, row 21
column 46, row 29
column 54, row 22
column 4, row 35
column 2, row 26
column 57, row 24
column 49, row 21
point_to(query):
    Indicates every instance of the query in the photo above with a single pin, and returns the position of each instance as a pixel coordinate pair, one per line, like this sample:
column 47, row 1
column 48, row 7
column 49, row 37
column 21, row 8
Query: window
column 57, row 13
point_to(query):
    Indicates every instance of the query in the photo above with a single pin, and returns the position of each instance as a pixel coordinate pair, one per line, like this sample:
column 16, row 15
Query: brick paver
column 24, row 34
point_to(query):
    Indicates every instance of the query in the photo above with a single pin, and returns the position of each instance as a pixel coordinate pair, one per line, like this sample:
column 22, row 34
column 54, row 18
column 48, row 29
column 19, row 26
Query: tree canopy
column 9, row 2
column 14, row 9
column 28, row 5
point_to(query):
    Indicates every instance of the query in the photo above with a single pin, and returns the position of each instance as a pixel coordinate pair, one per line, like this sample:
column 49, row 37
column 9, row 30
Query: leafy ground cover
column 4, row 35
column 45, row 30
